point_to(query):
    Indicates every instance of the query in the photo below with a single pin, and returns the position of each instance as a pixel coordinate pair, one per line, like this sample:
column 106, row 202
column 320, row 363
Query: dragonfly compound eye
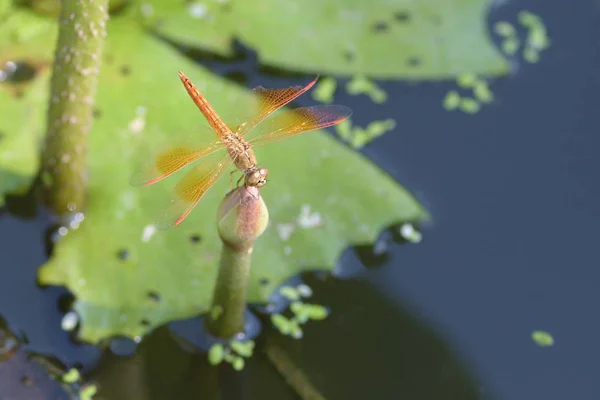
column 253, row 179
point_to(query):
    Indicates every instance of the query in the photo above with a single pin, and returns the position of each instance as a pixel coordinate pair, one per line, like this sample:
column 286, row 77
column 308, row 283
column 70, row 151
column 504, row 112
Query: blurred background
column 458, row 254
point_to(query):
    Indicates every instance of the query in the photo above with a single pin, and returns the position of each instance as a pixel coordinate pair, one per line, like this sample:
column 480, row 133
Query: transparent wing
column 190, row 189
column 169, row 158
column 300, row 120
column 267, row 101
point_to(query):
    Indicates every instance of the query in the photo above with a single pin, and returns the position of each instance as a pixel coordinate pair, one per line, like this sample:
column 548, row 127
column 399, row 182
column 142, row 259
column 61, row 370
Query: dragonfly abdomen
column 207, row 110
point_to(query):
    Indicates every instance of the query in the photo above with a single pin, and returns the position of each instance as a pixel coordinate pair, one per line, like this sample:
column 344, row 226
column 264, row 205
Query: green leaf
column 344, row 37
column 164, row 275
column 23, row 37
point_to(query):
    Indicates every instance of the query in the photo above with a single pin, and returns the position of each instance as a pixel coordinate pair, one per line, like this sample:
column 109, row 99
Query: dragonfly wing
column 297, row 121
column 169, row 158
column 267, row 101
column 191, row 188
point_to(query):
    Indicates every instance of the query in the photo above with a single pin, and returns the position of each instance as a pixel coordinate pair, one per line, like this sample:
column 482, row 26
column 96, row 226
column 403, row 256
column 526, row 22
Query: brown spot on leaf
column 125, row 70
column 413, row 62
column 402, row 16
column 381, row 27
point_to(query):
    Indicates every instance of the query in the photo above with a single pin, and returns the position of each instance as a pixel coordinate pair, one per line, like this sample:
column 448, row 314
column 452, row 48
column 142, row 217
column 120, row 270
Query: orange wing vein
column 269, row 101
column 170, row 158
column 191, row 188
column 299, row 120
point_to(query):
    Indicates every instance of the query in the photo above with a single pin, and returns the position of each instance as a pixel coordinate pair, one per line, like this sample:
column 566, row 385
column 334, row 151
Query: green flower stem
column 82, row 29
column 229, row 299
column 242, row 218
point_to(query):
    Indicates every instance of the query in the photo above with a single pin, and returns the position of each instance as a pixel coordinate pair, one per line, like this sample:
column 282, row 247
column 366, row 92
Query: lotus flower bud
column 242, row 216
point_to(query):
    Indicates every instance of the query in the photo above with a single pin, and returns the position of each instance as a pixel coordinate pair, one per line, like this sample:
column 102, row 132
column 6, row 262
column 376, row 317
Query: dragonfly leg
column 239, row 180
column 231, row 178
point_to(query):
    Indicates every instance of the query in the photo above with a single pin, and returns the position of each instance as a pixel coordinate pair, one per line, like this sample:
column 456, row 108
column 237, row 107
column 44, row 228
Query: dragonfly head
column 257, row 177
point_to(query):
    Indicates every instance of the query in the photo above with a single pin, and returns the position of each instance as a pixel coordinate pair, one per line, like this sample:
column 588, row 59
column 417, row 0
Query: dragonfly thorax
column 256, row 176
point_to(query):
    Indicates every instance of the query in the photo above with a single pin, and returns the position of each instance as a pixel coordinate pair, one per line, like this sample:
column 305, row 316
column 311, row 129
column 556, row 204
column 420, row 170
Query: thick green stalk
column 242, row 218
column 82, row 29
column 229, row 299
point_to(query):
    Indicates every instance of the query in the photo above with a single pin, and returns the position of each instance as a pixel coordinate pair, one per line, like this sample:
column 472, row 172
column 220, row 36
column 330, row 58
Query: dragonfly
column 233, row 144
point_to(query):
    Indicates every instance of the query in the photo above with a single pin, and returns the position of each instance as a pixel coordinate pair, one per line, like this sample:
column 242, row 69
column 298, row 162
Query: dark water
column 514, row 193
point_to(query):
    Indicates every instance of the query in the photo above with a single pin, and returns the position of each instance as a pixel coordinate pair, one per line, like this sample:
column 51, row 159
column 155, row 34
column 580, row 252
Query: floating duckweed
column 529, row 19
column 325, row 90
column 409, row 233
column 244, row 349
column 281, row 323
column 71, row 376
column 360, row 84
column 505, row 29
column 469, row 105
column 538, row 39
column 542, row 338
column 88, row 392
column 466, row 80
column 289, row 293
column 295, row 330
column 286, row 326
column 531, row 55
column 300, row 312
column 480, row 90
column 238, row 363
column 302, row 317
column 452, row 100
column 483, row 93
column 229, row 357
column 378, row 128
column 344, row 130
column 316, row 311
column 216, row 354
column 297, row 307
column 358, row 137
column 511, row 45
column 304, row 290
